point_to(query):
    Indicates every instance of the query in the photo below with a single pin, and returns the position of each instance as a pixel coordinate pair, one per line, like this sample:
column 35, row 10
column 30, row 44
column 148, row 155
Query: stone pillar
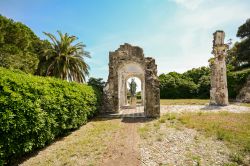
column 152, row 86
column 219, row 91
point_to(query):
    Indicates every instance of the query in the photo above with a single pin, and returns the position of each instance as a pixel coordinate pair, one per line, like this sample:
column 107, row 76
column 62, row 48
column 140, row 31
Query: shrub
column 235, row 81
column 35, row 110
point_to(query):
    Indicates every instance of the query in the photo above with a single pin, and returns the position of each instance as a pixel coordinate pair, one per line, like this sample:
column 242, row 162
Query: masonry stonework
column 129, row 61
column 219, row 91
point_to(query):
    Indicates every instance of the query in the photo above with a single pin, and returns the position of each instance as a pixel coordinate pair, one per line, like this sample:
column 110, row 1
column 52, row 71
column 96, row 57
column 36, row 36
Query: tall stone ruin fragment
column 129, row 61
column 219, row 91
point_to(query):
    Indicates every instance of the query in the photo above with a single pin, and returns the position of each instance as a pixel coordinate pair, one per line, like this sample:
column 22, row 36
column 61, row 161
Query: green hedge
column 35, row 110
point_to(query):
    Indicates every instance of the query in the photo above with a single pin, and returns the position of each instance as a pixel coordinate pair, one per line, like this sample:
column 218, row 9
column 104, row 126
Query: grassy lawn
column 242, row 104
column 194, row 102
column 184, row 101
column 233, row 128
column 83, row 147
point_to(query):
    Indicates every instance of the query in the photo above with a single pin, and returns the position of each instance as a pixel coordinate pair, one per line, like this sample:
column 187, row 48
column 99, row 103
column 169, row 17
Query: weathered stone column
column 152, row 86
column 219, row 91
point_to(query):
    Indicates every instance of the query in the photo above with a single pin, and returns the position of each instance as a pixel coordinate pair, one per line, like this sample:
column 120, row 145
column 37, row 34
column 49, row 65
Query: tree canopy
column 19, row 46
column 64, row 59
column 239, row 54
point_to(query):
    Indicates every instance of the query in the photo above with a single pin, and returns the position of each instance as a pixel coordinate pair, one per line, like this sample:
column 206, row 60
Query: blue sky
column 177, row 33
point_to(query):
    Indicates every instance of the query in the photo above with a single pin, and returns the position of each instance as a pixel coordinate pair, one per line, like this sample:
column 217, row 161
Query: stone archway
column 125, row 62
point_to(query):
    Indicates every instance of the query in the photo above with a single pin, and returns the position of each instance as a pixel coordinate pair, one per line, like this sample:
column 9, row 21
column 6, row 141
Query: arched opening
column 134, row 96
column 126, row 73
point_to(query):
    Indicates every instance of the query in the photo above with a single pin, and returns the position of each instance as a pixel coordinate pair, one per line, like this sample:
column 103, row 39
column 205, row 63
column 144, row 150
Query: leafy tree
column 63, row 59
column 239, row 54
column 19, row 46
column 97, row 83
column 175, row 85
column 204, row 87
column 196, row 73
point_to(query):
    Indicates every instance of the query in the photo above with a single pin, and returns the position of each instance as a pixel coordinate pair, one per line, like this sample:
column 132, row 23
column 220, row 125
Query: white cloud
column 189, row 4
column 184, row 40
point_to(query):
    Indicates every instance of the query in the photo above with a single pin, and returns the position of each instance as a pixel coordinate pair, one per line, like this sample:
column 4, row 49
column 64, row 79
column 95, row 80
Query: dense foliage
column 19, row 46
column 239, row 54
column 35, row 110
column 97, row 83
column 235, row 81
column 64, row 59
column 195, row 83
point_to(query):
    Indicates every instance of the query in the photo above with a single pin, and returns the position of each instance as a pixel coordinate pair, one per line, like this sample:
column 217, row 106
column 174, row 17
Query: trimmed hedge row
column 35, row 110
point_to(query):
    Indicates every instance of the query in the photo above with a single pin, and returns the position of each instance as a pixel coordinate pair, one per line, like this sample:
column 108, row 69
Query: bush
column 174, row 85
column 35, row 110
column 235, row 82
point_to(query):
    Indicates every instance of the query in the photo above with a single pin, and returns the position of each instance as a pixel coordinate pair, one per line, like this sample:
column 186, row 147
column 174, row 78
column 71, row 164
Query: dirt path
column 124, row 147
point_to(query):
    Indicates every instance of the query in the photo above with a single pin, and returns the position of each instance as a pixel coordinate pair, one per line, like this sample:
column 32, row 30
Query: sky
column 177, row 33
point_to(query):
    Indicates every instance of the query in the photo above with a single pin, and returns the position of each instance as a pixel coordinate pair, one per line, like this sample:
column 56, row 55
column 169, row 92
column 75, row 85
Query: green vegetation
column 235, row 81
column 19, row 46
column 21, row 49
column 35, row 110
column 174, row 85
column 195, row 83
column 238, row 57
column 97, row 83
column 64, row 60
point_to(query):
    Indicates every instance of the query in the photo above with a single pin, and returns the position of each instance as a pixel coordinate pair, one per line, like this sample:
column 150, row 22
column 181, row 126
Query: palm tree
column 63, row 59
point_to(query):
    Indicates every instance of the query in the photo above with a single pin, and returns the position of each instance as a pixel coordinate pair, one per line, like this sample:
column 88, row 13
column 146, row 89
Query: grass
column 83, row 147
column 233, row 128
column 194, row 102
column 184, row 101
column 245, row 104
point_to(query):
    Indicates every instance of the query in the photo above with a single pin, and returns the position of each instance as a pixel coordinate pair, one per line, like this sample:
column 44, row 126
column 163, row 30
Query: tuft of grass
column 144, row 130
column 184, row 101
column 230, row 164
column 197, row 160
column 237, row 158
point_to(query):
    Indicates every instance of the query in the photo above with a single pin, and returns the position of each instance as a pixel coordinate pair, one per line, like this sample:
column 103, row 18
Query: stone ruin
column 219, row 91
column 125, row 62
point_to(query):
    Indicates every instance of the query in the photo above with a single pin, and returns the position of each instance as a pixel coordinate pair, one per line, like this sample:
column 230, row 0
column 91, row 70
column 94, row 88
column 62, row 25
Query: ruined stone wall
column 152, row 83
column 118, row 59
column 219, row 91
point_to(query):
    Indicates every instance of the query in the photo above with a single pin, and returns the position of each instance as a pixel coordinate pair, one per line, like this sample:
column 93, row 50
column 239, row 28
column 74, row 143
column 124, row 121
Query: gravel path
column 183, row 147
